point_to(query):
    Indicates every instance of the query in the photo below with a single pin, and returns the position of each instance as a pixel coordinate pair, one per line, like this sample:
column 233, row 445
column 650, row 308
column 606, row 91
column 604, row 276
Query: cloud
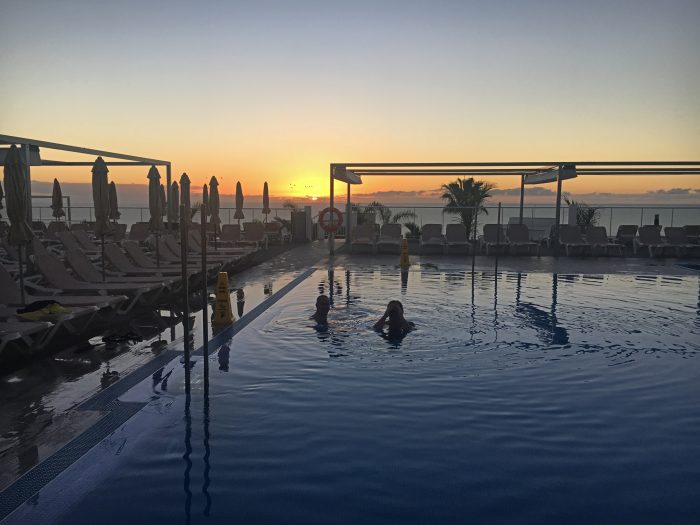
column 394, row 194
column 536, row 191
column 674, row 191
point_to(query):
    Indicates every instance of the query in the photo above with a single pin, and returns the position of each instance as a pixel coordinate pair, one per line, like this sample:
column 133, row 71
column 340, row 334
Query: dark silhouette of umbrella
column 214, row 205
column 57, row 200
column 239, row 203
column 100, row 198
column 113, row 202
column 185, row 198
column 155, row 207
column 2, row 196
column 163, row 201
column 16, row 201
column 174, row 202
column 266, row 201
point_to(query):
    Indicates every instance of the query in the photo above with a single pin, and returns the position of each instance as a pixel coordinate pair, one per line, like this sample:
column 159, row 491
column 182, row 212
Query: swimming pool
column 527, row 398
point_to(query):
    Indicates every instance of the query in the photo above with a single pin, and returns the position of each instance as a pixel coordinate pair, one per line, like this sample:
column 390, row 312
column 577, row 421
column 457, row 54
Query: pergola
column 31, row 149
column 529, row 172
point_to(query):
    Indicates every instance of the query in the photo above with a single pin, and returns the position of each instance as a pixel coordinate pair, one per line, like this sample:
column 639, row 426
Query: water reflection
column 223, row 357
column 187, row 459
column 545, row 323
column 240, row 301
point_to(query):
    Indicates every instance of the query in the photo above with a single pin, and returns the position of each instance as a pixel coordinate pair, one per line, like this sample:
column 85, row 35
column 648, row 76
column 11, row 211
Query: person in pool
column 323, row 305
column 394, row 319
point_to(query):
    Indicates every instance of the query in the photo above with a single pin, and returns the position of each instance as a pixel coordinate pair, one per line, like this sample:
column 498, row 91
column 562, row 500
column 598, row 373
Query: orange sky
column 278, row 91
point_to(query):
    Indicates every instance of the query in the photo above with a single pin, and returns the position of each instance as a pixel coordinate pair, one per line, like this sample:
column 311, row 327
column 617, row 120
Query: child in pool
column 394, row 319
column 323, row 305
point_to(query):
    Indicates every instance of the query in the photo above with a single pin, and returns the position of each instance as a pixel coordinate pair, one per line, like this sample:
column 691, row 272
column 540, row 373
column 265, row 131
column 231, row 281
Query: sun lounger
column 493, row 238
column 142, row 259
column 571, row 239
column 275, row 232
column 597, row 237
column 456, row 239
column 677, row 237
column 121, row 263
column 57, row 275
column 230, row 233
column 363, row 237
column 220, row 252
column 10, row 296
column 71, row 243
column 85, row 241
column 626, row 234
column 519, row 237
column 30, row 334
column 431, row 238
column 254, row 232
column 79, row 226
column 649, row 237
column 139, row 231
column 389, row 239
column 692, row 232
column 54, row 227
column 87, row 271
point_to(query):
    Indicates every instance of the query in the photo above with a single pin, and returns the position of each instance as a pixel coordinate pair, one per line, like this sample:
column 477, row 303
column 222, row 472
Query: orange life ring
column 326, row 222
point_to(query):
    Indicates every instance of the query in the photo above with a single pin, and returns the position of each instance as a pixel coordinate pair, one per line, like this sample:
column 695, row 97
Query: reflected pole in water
column 207, row 453
column 517, row 288
column 331, row 279
column 188, row 460
column 347, row 286
column 498, row 238
column 555, row 283
column 205, row 300
column 185, row 296
column 475, row 244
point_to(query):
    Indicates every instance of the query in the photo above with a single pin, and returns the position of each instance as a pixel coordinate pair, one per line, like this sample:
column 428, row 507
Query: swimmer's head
column 323, row 303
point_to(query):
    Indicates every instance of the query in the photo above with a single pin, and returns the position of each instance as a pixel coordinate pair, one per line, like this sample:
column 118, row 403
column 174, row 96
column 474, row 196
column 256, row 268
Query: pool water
column 520, row 398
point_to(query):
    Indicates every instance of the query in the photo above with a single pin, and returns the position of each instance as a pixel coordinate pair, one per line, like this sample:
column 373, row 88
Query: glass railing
column 538, row 218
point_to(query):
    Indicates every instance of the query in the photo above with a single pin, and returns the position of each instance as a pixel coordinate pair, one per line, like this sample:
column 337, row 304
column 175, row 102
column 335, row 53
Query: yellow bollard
column 223, row 315
column 404, row 262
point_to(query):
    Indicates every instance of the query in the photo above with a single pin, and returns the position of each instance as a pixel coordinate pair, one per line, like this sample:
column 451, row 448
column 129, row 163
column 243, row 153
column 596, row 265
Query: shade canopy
column 113, row 202
column 100, row 197
column 57, row 200
column 154, row 200
column 266, row 199
column 214, row 202
column 239, row 202
column 174, row 202
column 16, row 198
column 185, row 197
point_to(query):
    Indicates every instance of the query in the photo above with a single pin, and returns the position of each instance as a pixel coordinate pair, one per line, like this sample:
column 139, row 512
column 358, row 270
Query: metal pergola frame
column 352, row 173
column 28, row 146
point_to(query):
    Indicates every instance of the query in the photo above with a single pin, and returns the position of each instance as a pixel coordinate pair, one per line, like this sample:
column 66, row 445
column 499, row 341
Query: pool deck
column 43, row 410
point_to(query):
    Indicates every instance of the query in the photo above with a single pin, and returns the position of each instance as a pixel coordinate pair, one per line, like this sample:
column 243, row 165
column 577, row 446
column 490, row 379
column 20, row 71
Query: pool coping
column 116, row 412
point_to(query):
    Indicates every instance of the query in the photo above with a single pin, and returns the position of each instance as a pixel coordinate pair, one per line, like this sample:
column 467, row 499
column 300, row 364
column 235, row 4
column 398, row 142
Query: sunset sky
column 276, row 91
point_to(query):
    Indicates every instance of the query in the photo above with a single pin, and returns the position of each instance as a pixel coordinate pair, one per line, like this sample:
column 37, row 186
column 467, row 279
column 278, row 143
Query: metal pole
column 331, row 237
column 522, row 196
column 348, row 222
column 70, row 219
column 103, row 259
column 28, row 179
column 157, row 250
column 498, row 238
column 205, row 300
column 168, row 193
column 558, row 212
column 474, row 248
column 186, row 297
column 21, row 273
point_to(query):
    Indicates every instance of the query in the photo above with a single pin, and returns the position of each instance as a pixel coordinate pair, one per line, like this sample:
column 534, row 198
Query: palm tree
column 464, row 197
column 386, row 216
